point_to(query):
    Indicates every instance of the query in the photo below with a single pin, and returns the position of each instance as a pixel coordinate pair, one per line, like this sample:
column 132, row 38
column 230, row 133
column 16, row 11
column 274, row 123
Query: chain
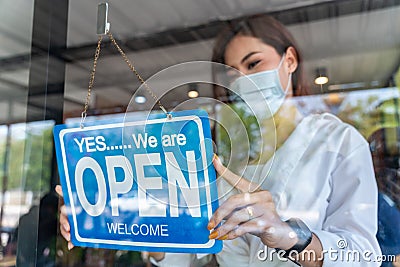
column 91, row 81
column 132, row 68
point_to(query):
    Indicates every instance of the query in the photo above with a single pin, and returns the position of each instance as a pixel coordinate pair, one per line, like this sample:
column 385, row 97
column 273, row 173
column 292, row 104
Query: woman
column 315, row 195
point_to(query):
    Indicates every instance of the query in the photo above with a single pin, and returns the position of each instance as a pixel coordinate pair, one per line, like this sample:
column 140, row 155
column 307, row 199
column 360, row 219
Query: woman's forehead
column 242, row 45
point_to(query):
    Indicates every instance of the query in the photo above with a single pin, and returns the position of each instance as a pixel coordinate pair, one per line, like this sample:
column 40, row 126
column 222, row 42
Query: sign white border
column 197, row 120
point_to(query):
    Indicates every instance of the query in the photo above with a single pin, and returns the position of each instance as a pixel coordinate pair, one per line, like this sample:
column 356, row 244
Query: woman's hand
column 253, row 211
column 396, row 263
column 64, row 224
column 158, row 256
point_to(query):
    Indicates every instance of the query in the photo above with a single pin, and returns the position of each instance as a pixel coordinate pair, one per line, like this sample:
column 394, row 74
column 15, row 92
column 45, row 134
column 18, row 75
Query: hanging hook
column 83, row 118
column 103, row 26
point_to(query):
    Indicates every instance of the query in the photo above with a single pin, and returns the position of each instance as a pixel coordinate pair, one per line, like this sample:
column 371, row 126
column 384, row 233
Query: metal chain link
column 91, row 80
column 131, row 67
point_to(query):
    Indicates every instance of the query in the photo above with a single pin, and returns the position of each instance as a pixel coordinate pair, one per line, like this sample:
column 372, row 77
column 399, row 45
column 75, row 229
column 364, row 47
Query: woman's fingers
column 64, row 218
column 236, row 181
column 237, row 202
column 262, row 215
column 396, row 263
column 59, row 190
column 252, row 226
column 65, row 228
column 70, row 246
column 158, row 256
column 64, row 224
column 66, row 235
column 237, row 209
column 227, row 208
column 235, row 220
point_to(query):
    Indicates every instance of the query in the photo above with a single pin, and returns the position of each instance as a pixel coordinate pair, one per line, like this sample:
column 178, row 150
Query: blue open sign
column 140, row 185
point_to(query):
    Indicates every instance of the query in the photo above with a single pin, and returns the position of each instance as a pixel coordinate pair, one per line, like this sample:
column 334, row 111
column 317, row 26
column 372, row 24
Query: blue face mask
column 262, row 91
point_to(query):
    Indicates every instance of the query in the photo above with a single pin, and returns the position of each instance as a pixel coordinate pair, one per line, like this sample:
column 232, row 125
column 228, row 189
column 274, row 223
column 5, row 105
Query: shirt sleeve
column 348, row 234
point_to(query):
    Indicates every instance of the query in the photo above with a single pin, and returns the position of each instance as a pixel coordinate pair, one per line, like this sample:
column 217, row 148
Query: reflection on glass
column 25, row 158
column 374, row 113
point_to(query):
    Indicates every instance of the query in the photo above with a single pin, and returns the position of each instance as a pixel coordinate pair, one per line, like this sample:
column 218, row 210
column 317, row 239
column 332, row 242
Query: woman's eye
column 253, row 64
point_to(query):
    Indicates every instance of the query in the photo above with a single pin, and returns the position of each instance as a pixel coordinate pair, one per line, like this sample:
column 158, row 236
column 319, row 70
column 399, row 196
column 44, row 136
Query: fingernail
column 210, row 225
column 70, row 246
column 223, row 237
column 213, row 235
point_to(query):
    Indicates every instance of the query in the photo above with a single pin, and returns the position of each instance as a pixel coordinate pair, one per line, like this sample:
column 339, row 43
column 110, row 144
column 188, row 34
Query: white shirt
column 322, row 174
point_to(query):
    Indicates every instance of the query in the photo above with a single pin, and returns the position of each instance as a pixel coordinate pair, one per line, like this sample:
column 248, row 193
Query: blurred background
column 46, row 55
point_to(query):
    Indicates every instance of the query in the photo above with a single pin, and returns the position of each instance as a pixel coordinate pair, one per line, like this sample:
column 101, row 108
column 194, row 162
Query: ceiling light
column 140, row 99
column 193, row 93
column 321, row 80
column 321, row 77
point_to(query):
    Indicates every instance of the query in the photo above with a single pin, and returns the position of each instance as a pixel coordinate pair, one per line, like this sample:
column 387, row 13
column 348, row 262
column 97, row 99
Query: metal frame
column 49, row 36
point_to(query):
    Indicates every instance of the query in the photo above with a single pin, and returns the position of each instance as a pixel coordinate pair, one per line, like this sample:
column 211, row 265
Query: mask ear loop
column 290, row 74
column 288, row 84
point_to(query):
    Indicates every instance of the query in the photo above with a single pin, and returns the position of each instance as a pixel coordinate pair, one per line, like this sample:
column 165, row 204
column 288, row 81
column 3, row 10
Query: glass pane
column 355, row 44
column 20, row 180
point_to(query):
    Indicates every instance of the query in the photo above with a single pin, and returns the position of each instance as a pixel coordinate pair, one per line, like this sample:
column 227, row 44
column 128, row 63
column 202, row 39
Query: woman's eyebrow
column 248, row 55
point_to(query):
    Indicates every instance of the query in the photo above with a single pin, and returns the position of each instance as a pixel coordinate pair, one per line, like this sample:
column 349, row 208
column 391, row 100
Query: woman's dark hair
column 271, row 32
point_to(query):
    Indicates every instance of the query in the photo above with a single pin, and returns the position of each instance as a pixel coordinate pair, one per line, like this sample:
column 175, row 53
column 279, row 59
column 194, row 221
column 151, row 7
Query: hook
column 103, row 26
column 83, row 118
